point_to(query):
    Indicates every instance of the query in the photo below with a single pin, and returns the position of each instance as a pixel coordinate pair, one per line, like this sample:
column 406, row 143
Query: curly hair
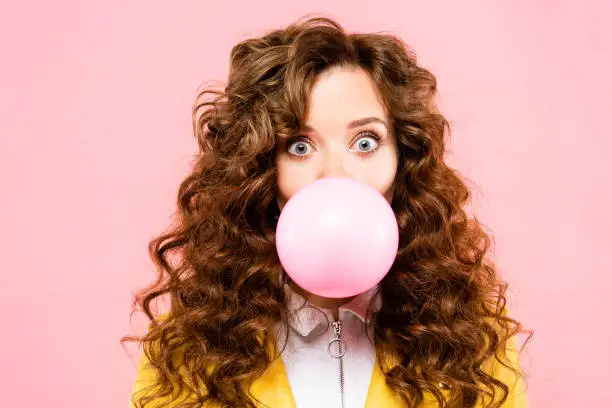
column 443, row 313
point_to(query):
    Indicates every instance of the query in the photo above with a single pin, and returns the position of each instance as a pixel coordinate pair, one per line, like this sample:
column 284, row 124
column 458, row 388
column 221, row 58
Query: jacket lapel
column 379, row 395
column 273, row 389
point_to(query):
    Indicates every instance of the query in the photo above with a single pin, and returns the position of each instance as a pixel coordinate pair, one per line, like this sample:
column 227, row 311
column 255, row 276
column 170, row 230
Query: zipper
column 339, row 349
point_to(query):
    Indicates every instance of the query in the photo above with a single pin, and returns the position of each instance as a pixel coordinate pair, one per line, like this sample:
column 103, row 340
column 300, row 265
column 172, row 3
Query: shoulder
column 147, row 390
column 506, row 368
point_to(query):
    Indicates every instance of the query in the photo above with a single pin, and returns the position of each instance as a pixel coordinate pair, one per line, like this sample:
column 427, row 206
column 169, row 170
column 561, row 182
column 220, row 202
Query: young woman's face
column 347, row 134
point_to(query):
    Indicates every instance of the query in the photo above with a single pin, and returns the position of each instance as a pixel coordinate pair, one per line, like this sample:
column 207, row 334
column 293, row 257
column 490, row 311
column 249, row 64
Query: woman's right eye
column 299, row 147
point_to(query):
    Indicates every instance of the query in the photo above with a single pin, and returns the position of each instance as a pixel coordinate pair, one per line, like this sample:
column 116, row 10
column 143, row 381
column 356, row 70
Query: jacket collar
column 306, row 318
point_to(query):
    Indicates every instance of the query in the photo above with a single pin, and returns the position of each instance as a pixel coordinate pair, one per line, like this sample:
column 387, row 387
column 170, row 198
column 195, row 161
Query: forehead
column 342, row 94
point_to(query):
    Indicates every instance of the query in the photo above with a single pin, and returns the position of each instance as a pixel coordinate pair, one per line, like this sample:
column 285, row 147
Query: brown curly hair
column 443, row 306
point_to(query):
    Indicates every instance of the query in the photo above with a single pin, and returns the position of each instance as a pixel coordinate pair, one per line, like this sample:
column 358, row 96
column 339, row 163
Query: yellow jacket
column 273, row 389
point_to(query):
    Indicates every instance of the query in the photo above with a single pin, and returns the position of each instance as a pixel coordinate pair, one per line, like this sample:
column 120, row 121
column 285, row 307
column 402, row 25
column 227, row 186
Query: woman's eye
column 299, row 148
column 366, row 144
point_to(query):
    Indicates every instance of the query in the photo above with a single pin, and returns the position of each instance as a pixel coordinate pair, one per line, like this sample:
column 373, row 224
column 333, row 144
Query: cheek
column 291, row 178
column 380, row 173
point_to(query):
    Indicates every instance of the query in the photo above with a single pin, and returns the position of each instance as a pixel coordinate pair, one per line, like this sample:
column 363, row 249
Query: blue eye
column 299, row 148
column 366, row 144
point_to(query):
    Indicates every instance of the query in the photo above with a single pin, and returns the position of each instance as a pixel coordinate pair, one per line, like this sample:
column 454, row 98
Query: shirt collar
column 305, row 317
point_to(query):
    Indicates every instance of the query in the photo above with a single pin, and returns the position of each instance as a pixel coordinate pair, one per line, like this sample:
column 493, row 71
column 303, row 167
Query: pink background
column 95, row 132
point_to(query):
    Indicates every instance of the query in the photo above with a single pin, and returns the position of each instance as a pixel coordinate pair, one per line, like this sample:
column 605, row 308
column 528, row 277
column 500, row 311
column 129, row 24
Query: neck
column 332, row 304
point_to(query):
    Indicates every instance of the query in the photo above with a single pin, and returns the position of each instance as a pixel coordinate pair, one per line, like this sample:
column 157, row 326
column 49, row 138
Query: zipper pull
column 336, row 348
column 337, row 329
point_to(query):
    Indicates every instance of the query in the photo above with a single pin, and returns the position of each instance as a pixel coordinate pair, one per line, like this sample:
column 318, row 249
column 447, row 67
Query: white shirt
column 314, row 375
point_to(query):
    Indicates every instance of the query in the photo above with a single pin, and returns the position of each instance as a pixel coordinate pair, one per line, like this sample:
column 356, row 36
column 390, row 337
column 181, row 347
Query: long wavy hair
column 443, row 305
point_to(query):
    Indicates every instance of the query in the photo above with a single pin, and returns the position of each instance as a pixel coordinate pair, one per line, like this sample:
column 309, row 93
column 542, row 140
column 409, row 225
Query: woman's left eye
column 366, row 144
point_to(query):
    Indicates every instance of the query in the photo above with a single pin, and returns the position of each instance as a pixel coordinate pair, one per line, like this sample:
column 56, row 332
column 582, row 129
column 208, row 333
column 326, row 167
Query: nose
column 334, row 166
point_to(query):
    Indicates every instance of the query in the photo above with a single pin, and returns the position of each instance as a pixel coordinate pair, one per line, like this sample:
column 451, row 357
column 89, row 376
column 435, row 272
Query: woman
column 303, row 103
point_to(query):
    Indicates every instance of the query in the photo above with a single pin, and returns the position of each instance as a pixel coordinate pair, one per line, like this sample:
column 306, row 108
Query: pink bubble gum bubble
column 337, row 237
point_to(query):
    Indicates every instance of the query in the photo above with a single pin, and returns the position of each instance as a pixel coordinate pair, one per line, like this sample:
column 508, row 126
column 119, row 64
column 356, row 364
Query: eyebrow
column 357, row 123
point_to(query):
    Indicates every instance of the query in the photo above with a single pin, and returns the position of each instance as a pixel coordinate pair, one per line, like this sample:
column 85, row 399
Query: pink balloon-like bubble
column 337, row 237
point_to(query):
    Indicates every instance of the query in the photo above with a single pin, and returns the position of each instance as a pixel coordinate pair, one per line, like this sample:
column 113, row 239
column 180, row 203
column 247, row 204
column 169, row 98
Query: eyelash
column 366, row 133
